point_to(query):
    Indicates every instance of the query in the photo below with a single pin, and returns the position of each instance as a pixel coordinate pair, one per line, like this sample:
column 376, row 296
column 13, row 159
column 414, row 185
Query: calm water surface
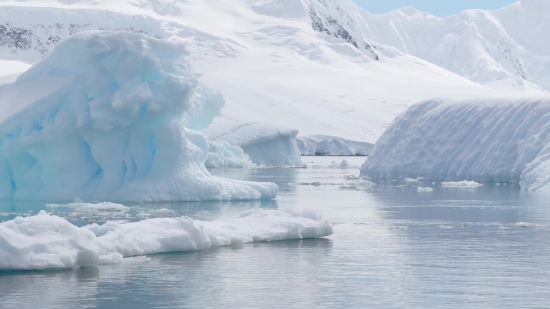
column 393, row 247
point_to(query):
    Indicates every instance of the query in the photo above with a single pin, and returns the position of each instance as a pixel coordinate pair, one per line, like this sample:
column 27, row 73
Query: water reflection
column 393, row 247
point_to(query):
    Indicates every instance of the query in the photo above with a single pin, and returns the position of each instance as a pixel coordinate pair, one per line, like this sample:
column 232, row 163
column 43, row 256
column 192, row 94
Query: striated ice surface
column 105, row 117
column 266, row 143
column 44, row 241
column 500, row 141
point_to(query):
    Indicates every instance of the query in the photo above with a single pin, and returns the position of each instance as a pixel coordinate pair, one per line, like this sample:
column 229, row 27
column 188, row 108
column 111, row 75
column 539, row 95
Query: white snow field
column 505, row 48
column 495, row 141
column 10, row 70
column 307, row 63
column 43, row 241
column 324, row 145
column 103, row 117
column 265, row 143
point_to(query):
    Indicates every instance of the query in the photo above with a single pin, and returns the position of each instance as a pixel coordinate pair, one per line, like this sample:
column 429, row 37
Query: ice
column 323, row 145
column 266, row 143
column 424, row 189
column 91, row 207
column 460, row 184
column 503, row 48
column 223, row 154
column 104, row 117
column 44, row 241
column 495, row 141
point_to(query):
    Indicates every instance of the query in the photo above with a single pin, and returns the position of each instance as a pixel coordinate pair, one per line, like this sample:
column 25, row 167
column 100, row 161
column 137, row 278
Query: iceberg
column 106, row 116
column 44, row 241
column 494, row 141
column 324, row 145
column 222, row 154
column 266, row 143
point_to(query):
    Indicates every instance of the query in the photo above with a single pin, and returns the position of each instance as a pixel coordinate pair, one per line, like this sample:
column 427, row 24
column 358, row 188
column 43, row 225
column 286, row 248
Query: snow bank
column 44, row 241
column 324, row 145
column 504, row 141
column 266, row 143
column 104, row 117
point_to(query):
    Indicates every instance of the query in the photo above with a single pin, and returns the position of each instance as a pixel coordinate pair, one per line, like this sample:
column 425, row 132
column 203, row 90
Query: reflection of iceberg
column 103, row 117
column 44, row 241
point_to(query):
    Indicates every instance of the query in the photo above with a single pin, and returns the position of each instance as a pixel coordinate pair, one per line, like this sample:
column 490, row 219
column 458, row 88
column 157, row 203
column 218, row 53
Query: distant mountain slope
column 503, row 48
column 312, row 64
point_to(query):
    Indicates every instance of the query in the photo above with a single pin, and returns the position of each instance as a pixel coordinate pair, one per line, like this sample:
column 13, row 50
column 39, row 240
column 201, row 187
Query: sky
column 439, row 8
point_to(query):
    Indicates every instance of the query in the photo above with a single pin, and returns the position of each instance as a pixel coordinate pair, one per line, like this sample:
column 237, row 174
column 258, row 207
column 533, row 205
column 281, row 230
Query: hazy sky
column 435, row 7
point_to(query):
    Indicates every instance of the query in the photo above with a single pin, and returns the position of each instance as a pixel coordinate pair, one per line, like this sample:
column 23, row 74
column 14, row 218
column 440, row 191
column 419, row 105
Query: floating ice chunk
column 266, row 143
column 91, row 207
column 460, row 184
column 44, row 241
column 106, row 120
column 424, row 189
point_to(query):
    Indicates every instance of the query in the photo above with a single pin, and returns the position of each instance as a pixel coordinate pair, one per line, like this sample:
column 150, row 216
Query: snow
column 44, row 241
column 266, row 143
column 323, row 145
column 505, row 48
column 266, row 57
column 496, row 141
column 460, row 184
column 10, row 70
column 105, row 120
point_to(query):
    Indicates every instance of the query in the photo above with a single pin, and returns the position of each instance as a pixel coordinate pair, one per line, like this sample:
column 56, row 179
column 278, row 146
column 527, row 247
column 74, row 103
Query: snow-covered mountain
column 316, row 65
column 502, row 48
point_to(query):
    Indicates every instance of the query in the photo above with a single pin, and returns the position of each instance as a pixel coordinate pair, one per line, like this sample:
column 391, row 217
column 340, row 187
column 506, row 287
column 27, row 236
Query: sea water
column 393, row 247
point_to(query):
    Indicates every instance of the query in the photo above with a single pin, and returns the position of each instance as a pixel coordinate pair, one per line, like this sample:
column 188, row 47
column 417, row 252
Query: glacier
column 45, row 241
column 503, row 48
column 106, row 116
column 325, row 145
column 486, row 141
column 265, row 143
column 308, row 63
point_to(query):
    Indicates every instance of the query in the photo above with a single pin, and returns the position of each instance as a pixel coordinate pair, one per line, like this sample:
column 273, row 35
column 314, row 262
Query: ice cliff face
column 104, row 117
column 481, row 140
